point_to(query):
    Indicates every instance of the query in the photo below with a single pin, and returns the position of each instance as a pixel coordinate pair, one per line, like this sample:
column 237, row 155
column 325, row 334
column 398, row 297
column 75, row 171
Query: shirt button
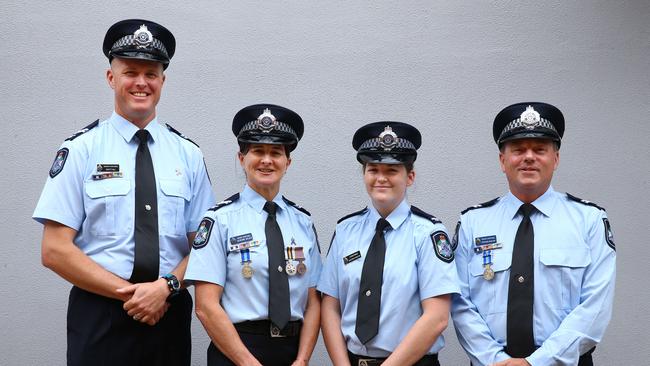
column 147, row 207
column 368, row 292
column 521, row 279
column 279, row 268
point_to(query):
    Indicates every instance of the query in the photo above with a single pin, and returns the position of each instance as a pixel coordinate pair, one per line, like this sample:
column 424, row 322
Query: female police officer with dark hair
column 255, row 258
column 389, row 272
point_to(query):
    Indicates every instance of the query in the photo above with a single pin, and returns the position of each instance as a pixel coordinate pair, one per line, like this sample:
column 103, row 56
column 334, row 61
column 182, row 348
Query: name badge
column 484, row 243
column 352, row 257
column 108, row 168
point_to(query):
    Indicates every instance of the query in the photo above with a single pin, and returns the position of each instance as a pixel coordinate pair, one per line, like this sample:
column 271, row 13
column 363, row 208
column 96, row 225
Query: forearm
column 64, row 258
column 310, row 327
column 331, row 326
column 423, row 333
column 219, row 327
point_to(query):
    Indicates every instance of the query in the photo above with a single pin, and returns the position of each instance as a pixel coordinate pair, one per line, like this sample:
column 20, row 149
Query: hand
column 148, row 302
column 512, row 362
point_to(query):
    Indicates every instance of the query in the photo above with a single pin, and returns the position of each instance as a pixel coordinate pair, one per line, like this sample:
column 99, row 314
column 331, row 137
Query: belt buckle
column 366, row 361
column 276, row 332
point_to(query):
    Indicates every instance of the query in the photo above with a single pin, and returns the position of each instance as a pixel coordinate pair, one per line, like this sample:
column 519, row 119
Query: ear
column 410, row 178
column 502, row 160
column 240, row 157
column 557, row 159
column 288, row 163
column 110, row 78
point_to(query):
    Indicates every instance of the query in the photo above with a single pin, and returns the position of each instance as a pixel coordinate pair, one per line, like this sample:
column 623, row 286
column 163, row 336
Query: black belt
column 584, row 360
column 265, row 327
column 358, row 360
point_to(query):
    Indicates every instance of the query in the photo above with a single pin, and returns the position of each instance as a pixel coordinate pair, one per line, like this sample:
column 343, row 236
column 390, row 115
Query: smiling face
column 529, row 165
column 137, row 85
column 264, row 165
column 386, row 185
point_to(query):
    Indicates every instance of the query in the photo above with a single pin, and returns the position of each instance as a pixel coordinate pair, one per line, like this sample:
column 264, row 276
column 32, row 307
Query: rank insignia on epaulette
column 609, row 235
column 203, row 233
column 442, row 246
column 59, row 162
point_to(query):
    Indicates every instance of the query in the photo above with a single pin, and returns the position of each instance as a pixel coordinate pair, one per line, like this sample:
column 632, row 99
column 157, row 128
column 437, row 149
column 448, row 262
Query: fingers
column 128, row 289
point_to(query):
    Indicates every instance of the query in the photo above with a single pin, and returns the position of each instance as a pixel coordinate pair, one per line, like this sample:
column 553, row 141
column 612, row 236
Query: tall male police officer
column 536, row 266
column 120, row 209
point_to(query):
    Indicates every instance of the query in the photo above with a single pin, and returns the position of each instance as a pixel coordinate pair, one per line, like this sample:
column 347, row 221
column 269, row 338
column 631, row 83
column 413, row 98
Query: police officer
column 389, row 272
column 255, row 258
column 536, row 266
column 119, row 210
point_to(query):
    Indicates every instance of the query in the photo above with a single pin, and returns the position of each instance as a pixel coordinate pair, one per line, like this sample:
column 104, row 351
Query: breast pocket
column 564, row 266
column 108, row 209
column 490, row 296
column 176, row 193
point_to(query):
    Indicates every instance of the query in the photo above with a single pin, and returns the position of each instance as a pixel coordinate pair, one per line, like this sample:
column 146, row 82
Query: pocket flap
column 500, row 262
column 107, row 187
column 175, row 187
column 566, row 257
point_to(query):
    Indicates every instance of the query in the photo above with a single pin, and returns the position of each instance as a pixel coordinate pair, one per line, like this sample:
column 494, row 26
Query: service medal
column 290, row 268
column 302, row 268
column 300, row 257
column 247, row 270
column 488, row 273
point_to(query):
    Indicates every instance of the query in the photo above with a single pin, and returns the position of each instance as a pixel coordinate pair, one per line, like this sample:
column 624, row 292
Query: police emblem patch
column 609, row 235
column 203, row 233
column 59, row 162
column 442, row 246
column 454, row 240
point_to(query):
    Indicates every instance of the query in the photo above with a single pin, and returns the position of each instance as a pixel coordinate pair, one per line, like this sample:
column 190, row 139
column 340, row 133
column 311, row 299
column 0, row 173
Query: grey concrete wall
column 447, row 67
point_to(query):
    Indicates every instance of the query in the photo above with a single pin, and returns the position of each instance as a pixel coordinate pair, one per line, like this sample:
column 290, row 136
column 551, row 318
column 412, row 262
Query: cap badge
column 142, row 37
column 530, row 118
column 266, row 121
column 388, row 139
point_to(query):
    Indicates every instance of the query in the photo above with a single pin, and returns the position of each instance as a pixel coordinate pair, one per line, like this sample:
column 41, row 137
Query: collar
column 256, row 201
column 395, row 218
column 127, row 130
column 543, row 203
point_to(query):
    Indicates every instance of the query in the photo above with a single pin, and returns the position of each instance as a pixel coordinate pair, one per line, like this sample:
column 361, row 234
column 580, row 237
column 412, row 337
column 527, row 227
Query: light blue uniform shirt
column 412, row 273
column 574, row 275
column 102, row 211
column 248, row 298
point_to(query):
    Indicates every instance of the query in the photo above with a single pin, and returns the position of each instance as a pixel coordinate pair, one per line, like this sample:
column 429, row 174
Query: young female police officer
column 255, row 258
column 389, row 272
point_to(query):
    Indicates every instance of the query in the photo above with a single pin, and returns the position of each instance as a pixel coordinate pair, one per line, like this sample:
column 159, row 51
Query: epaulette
column 416, row 211
column 584, row 202
column 480, row 205
column 296, row 206
column 360, row 212
column 83, row 130
column 172, row 129
column 225, row 202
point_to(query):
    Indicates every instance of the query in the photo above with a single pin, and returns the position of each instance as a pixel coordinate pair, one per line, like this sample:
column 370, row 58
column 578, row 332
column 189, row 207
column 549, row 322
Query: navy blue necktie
column 279, row 308
column 369, row 303
column 520, row 339
column 147, row 257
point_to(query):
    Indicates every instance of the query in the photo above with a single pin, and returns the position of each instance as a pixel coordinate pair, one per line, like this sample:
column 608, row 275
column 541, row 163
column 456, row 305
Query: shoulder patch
column 416, row 211
column 442, row 246
column 609, row 235
column 83, row 130
column 59, row 162
column 454, row 240
column 357, row 213
column 296, row 206
column 203, row 233
column 172, row 129
column 480, row 205
column 225, row 202
column 584, row 202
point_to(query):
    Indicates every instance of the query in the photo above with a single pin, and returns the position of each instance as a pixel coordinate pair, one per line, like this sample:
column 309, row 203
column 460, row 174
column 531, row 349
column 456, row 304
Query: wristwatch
column 173, row 284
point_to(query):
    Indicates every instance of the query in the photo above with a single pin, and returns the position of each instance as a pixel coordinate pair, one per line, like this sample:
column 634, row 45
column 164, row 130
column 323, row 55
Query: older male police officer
column 120, row 207
column 537, row 267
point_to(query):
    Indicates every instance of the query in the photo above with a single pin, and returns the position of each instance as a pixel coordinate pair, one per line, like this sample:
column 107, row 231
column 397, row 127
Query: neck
column 528, row 197
column 385, row 210
column 139, row 122
column 268, row 193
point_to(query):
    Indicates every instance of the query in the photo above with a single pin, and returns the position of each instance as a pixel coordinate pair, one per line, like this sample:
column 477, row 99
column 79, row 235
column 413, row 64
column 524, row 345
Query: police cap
column 387, row 142
column 528, row 120
column 268, row 124
column 139, row 39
